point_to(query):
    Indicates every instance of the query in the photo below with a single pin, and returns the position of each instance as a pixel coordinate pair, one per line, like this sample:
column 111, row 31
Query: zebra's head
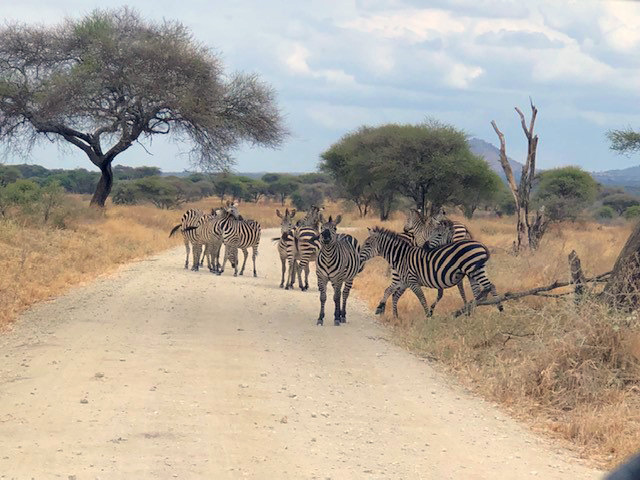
column 232, row 209
column 313, row 218
column 286, row 225
column 369, row 248
column 329, row 230
column 414, row 221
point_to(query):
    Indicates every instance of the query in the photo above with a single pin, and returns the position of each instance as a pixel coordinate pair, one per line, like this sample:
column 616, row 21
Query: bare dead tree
column 110, row 79
column 528, row 234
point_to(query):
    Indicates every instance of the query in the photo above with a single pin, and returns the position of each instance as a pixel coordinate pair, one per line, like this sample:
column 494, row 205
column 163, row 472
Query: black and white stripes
column 338, row 262
column 439, row 268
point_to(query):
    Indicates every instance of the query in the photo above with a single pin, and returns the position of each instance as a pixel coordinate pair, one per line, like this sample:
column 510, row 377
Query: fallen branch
column 533, row 291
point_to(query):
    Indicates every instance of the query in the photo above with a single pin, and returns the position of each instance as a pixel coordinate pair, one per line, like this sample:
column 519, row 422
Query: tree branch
column 525, row 293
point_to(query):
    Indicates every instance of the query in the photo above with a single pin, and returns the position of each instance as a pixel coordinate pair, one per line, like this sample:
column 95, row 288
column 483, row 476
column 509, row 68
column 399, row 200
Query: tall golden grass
column 39, row 261
column 572, row 370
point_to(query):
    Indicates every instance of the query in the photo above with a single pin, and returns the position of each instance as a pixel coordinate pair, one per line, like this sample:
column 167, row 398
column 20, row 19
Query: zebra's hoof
column 320, row 322
column 380, row 309
column 501, row 308
column 241, row 273
column 343, row 319
column 255, row 275
column 218, row 273
column 281, row 285
column 336, row 322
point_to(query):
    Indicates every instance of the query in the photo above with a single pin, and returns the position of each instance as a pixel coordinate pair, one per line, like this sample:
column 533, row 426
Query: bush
column 305, row 197
column 621, row 201
column 125, row 193
column 605, row 213
column 632, row 212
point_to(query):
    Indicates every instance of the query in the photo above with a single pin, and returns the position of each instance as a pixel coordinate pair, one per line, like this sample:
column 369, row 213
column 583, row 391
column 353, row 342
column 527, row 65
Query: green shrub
column 605, row 213
column 632, row 212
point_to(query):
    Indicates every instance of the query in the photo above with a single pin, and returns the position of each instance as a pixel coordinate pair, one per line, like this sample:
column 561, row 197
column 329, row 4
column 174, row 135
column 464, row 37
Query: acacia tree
column 109, row 79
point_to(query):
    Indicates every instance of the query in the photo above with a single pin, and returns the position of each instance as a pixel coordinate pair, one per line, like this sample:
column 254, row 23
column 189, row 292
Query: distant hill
column 491, row 154
column 626, row 177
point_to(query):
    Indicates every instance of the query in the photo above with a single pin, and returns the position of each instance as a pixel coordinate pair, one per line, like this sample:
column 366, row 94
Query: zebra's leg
column 224, row 260
column 397, row 293
column 322, row 286
column 345, row 295
column 283, row 260
column 253, row 257
column 388, row 291
column 301, row 265
column 440, row 292
column 292, row 273
column 216, row 260
column 337, row 291
column 246, row 254
column 186, row 247
column 461, row 290
column 197, row 249
column 415, row 288
column 235, row 255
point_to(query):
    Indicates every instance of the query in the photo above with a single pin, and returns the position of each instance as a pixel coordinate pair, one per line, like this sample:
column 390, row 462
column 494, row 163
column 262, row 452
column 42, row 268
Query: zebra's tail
column 174, row 230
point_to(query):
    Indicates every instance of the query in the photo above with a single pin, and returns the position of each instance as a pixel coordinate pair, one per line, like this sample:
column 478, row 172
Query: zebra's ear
column 278, row 213
column 338, row 219
column 369, row 229
column 330, row 219
column 292, row 213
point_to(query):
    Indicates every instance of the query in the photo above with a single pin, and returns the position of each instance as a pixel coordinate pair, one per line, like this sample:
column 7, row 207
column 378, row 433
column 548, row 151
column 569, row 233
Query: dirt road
column 159, row 372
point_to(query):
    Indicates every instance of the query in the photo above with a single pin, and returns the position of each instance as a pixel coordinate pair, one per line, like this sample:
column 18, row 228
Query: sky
column 337, row 65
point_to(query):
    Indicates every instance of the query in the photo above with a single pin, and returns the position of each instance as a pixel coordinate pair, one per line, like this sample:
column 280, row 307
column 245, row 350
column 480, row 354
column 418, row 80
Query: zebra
column 238, row 234
column 303, row 246
column 190, row 218
column 436, row 230
column 338, row 261
column 207, row 232
column 441, row 267
column 286, row 225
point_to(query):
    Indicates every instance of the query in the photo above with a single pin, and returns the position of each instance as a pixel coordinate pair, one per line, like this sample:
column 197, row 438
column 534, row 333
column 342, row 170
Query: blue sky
column 337, row 65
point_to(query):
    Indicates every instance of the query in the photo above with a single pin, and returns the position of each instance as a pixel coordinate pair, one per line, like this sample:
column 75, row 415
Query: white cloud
column 621, row 25
column 297, row 63
column 412, row 25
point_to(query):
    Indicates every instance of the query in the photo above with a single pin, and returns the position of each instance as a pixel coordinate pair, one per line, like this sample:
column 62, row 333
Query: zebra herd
column 432, row 251
column 223, row 226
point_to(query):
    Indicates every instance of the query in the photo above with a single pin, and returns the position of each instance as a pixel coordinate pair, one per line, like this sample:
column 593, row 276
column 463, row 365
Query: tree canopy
column 109, row 79
column 430, row 163
column 565, row 192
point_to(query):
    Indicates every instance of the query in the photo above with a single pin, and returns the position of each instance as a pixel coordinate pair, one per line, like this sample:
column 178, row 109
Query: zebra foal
column 439, row 268
column 338, row 262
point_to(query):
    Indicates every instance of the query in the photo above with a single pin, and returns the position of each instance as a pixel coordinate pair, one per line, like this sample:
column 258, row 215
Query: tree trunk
column 623, row 288
column 104, row 186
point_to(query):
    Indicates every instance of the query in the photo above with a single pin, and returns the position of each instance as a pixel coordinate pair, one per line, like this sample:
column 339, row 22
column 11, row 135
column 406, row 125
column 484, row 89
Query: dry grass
column 39, row 261
column 573, row 371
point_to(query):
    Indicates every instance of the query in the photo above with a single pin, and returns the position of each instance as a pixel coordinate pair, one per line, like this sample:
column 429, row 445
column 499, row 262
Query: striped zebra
column 207, row 233
column 303, row 246
column 190, row 219
column 433, row 232
column 286, row 226
column 338, row 262
column 238, row 234
column 439, row 268
column 436, row 230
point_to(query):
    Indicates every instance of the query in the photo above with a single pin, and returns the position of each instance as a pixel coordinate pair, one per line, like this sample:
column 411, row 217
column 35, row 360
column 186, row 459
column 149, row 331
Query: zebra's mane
column 389, row 234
